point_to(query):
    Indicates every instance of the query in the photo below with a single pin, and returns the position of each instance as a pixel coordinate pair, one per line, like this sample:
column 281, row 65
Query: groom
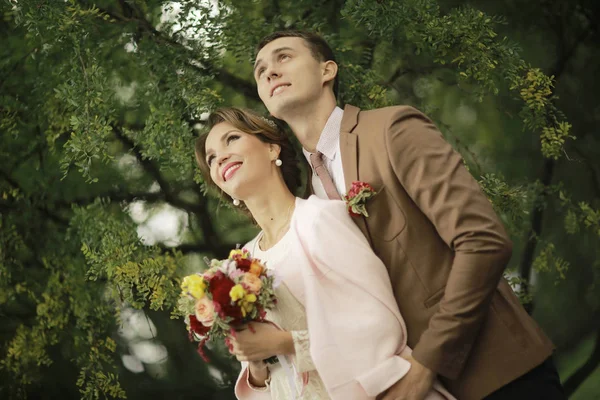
column 443, row 245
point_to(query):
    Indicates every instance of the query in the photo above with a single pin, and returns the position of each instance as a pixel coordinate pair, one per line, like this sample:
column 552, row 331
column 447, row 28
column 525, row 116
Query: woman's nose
column 222, row 158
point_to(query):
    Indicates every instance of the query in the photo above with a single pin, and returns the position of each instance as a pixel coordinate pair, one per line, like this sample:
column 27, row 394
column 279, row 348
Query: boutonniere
column 357, row 196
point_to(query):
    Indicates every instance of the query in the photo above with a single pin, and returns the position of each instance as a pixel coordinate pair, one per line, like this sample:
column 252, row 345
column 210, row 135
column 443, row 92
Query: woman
column 332, row 281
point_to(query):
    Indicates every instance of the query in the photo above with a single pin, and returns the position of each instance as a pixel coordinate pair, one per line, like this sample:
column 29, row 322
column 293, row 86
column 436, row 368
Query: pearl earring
column 236, row 202
column 278, row 162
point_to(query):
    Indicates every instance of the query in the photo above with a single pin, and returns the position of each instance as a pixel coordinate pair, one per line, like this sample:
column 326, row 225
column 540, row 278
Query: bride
column 336, row 329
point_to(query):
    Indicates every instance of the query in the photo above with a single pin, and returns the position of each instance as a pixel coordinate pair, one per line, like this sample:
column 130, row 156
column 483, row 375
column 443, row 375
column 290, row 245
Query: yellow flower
column 247, row 304
column 236, row 252
column 237, row 292
column 246, row 300
column 194, row 285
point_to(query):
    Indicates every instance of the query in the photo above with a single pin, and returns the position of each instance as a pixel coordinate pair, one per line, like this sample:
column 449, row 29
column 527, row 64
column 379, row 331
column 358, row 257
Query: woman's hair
column 266, row 130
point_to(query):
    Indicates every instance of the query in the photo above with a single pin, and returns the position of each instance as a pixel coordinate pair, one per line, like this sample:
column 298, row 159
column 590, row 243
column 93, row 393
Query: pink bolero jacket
column 355, row 329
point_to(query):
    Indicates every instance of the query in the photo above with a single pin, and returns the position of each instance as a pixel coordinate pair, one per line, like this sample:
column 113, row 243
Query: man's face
column 287, row 75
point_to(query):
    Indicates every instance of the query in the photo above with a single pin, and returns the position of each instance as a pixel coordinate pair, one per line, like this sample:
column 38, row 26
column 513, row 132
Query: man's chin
column 282, row 109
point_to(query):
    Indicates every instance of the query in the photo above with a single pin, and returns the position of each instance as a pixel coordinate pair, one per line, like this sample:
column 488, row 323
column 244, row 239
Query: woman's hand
column 258, row 341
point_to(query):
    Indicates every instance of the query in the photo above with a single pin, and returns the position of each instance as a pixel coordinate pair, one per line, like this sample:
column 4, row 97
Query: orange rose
column 205, row 311
column 252, row 283
column 256, row 268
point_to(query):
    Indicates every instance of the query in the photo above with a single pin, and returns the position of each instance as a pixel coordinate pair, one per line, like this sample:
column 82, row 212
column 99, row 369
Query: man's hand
column 258, row 341
column 413, row 386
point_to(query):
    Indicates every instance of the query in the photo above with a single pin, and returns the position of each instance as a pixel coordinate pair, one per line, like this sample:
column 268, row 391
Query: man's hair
column 318, row 47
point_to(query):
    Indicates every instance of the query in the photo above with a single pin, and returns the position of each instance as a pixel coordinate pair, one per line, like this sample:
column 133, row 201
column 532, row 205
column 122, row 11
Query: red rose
column 357, row 187
column 219, row 287
column 243, row 264
column 197, row 327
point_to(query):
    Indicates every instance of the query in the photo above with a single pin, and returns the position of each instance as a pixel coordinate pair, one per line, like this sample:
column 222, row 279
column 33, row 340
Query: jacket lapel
column 349, row 153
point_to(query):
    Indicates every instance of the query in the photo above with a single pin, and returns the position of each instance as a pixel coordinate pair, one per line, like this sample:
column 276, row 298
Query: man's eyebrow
column 276, row 51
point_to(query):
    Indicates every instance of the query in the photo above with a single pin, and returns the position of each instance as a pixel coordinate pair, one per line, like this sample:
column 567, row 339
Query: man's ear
column 330, row 70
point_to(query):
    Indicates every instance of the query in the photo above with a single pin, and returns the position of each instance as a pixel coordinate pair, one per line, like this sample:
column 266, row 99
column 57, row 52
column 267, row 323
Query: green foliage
column 509, row 201
column 548, row 260
column 579, row 214
column 93, row 379
column 100, row 102
column 465, row 40
column 361, row 88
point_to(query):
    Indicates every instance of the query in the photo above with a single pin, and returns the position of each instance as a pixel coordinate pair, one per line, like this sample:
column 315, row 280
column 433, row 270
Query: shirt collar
column 330, row 136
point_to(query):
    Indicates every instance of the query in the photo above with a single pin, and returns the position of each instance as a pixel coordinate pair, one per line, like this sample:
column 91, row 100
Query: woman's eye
column 231, row 138
column 284, row 56
column 260, row 72
column 210, row 160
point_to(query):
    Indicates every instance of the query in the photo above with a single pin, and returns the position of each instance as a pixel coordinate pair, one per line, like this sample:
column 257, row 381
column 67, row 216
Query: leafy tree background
column 102, row 209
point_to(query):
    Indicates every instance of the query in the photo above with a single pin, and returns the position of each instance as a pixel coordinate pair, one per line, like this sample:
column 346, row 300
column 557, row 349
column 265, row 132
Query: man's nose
column 272, row 73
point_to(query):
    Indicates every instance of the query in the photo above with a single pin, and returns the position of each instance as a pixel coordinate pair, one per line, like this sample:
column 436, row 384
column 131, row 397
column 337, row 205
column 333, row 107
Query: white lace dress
column 290, row 315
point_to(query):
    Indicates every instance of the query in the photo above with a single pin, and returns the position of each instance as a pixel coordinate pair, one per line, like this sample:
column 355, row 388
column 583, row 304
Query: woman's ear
column 274, row 151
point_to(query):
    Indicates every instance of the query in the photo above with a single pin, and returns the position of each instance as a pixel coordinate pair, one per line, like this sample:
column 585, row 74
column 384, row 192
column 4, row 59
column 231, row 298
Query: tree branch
column 592, row 168
column 10, row 180
column 115, row 196
column 547, row 174
column 568, row 54
column 190, row 248
column 169, row 195
column 399, row 72
column 126, row 8
column 246, row 88
column 11, row 207
column 27, row 156
column 15, row 67
column 532, row 236
column 199, row 208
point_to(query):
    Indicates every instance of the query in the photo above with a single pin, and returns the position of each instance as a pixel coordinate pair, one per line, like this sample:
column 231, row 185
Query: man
column 435, row 230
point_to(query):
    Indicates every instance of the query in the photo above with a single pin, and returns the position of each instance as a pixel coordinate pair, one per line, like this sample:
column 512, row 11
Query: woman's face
column 239, row 162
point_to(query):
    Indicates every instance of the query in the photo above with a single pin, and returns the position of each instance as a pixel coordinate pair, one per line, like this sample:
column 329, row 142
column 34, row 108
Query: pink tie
column 316, row 159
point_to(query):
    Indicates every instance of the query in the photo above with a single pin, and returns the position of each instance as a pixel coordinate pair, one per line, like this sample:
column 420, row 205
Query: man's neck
column 308, row 122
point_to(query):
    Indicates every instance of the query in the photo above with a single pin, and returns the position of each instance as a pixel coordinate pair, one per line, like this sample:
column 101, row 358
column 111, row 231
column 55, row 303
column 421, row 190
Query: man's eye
column 260, row 72
column 284, row 56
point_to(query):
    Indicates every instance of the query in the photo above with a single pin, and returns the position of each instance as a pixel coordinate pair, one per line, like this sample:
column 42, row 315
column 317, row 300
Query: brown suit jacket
column 445, row 249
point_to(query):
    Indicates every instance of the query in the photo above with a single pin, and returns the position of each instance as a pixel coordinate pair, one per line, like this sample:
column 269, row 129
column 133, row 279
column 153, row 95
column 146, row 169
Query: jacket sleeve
column 245, row 391
column 356, row 331
column 435, row 178
column 304, row 360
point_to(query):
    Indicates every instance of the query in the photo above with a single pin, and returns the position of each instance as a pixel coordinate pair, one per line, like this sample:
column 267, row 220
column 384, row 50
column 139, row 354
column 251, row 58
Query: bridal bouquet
column 231, row 292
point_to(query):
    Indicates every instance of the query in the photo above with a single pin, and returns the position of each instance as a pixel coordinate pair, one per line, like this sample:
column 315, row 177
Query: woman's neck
column 272, row 211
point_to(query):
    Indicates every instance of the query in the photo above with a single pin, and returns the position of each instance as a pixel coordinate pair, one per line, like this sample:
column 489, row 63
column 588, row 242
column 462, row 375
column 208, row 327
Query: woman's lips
column 230, row 169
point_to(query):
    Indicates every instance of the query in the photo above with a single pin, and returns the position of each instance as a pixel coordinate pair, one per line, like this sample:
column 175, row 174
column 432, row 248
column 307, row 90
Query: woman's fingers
column 237, row 349
column 241, row 328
